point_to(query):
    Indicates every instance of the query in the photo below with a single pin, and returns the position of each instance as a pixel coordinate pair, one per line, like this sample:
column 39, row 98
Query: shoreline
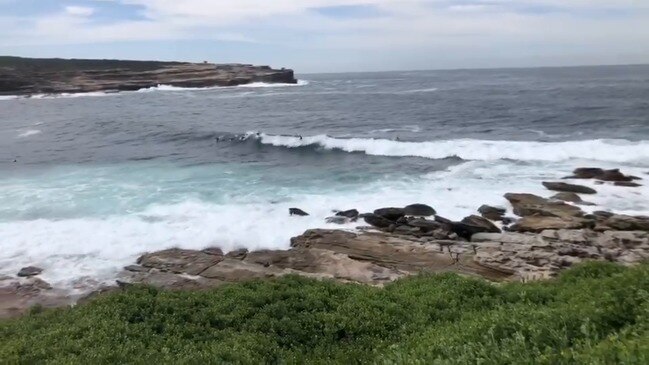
column 539, row 238
column 27, row 76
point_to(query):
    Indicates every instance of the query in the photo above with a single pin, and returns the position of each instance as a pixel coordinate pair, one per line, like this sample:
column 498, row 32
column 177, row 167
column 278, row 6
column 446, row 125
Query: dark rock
column 570, row 197
column 377, row 221
column 337, row 220
column 508, row 220
column 136, row 268
column 239, row 254
column 352, row 213
column 419, row 210
column 29, row 271
column 406, row 230
column 297, row 211
column 570, row 188
column 478, row 221
column 600, row 174
column 213, row 251
column 392, row 214
column 425, row 224
column 629, row 184
column 492, row 213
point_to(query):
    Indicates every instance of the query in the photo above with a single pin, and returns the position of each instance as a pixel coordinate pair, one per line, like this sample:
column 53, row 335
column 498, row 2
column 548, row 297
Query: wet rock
column 419, row 210
column 352, row 213
column 297, row 211
column 213, row 251
column 492, row 213
column 337, row 220
column 569, row 188
column 424, row 224
column 136, row 268
column 570, row 197
column 238, row 254
column 377, row 221
column 478, row 221
column 541, row 223
column 628, row 184
column 600, row 174
column 29, row 271
column 526, row 205
column 177, row 260
column 392, row 214
column 407, row 230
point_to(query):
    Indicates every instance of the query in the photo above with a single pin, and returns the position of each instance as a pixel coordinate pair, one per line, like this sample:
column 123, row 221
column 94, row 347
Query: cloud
column 425, row 29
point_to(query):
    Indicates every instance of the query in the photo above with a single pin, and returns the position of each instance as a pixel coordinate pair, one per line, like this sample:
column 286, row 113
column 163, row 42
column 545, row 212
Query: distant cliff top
column 27, row 76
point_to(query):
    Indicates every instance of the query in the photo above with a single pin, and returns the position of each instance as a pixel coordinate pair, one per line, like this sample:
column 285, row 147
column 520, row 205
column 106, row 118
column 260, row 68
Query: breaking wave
column 613, row 150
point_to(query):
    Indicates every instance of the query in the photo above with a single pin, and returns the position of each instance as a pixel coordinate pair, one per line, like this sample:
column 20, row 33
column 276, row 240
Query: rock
column 177, row 260
column 377, row 221
column 407, row 230
column 540, row 223
column 25, row 76
column 392, row 214
column 297, row 211
column 238, row 254
column 29, row 271
column 526, row 205
column 627, row 223
column 425, row 224
column 352, row 213
column 492, row 213
column 600, row 174
column 419, row 210
column 337, row 220
column 570, row 197
column 569, row 188
column 628, row 184
column 478, row 221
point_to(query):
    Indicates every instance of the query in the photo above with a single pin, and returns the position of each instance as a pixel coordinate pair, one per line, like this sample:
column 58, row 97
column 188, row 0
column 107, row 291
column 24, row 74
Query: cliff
column 27, row 76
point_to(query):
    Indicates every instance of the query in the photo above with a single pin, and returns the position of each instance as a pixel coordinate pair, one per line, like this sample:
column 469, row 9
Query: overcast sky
column 334, row 35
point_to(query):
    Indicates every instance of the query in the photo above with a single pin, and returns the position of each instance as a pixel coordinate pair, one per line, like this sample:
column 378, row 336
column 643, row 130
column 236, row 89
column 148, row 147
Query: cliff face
column 23, row 76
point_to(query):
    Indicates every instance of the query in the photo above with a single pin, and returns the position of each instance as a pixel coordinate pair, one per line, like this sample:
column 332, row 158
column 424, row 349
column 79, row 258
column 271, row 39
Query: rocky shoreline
column 540, row 238
column 26, row 76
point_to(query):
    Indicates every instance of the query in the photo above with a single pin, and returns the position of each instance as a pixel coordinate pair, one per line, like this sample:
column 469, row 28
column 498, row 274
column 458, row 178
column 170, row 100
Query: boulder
column 377, row 220
column 392, row 214
column 478, row 221
column 600, row 174
column 570, row 197
column 177, row 260
column 352, row 213
column 628, row 184
column 492, row 213
column 569, row 188
column 539, row 224
column 425, row 225
column 298, row 212
column 29, row 271
column 526, row 205
column 419, row 210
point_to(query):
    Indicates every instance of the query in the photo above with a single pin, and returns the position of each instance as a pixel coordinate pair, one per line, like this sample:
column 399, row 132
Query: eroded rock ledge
column 26, row 76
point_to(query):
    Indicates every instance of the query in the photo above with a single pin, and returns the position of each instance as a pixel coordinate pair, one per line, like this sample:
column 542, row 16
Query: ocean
column 90, row 182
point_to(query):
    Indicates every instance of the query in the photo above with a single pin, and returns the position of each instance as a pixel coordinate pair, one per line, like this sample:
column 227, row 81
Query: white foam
column 98, row 247
column 253, row 85
column 267, row 85
column 471, row 149
column 8, row 97
column 31, row 132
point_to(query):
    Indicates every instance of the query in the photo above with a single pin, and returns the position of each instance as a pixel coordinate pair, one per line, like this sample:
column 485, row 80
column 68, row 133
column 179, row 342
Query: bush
column 596, row 313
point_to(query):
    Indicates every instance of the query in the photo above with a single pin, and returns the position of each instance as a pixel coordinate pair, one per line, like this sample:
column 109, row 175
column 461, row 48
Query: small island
column 30, row 76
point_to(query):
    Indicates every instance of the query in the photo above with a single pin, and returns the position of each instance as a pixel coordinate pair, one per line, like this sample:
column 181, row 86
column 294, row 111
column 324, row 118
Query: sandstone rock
column 541, row 223
column 29, row 271
column 177, row 260
column 627, row 223
column 419, row 210
column 297, row 211
column 526, row 205
column 569, row 188
column 239, row 254
column 392, row 214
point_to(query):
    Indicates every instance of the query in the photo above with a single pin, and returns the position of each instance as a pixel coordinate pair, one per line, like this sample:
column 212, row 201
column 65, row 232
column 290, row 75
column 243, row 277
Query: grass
column 597, row 313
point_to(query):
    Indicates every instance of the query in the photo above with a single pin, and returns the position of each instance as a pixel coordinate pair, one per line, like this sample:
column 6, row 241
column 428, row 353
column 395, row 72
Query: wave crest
column 613, row 150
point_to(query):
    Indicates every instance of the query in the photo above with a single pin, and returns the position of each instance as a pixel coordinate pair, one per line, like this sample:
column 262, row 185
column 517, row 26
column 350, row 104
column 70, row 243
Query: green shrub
column 595, row 313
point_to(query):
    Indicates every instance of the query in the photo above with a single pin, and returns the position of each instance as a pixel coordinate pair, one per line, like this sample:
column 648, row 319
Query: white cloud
column 79, row 11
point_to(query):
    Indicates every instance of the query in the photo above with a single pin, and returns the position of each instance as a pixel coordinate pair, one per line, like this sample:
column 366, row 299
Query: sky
column 333, row 35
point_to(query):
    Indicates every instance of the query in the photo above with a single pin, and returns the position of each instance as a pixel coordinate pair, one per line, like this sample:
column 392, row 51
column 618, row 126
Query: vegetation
column 597, row 313
column 62, row 65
